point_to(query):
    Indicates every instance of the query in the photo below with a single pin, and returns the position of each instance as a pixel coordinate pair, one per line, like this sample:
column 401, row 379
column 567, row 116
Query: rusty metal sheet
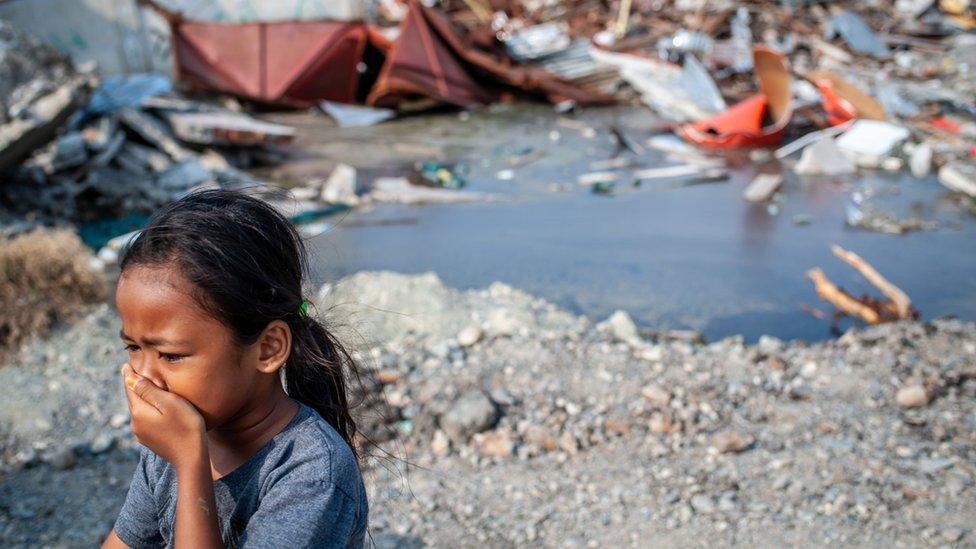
column 431, row 58
column 295, row 63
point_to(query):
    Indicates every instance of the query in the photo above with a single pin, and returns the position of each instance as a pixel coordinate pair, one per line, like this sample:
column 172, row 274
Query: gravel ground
column 519, row 423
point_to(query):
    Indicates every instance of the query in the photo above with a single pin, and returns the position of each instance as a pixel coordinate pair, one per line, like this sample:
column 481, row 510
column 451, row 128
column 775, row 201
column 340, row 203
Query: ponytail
column 315, row 375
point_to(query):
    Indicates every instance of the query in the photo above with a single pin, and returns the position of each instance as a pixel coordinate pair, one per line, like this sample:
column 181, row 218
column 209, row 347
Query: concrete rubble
column 74, row 149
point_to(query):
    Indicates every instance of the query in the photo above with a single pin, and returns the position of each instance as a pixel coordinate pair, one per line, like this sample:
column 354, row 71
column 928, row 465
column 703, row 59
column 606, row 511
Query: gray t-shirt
column 301, row 489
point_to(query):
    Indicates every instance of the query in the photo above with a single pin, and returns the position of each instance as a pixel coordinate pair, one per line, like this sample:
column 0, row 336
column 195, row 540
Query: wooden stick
column 827, row 291
column 903, row 305
column 622, row 18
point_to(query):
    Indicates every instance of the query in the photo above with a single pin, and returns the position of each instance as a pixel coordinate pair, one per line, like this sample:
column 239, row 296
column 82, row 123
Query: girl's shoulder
column 309, row 445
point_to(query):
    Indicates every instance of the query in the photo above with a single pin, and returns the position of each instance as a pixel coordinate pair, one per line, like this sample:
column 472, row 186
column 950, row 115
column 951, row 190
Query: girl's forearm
column 196, row 512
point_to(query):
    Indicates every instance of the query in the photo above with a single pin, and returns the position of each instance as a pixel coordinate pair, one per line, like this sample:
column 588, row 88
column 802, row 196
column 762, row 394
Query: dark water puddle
column 696, row 257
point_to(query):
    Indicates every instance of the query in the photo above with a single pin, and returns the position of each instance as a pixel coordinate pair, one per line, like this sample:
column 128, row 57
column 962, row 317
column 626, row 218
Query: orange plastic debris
column 838, row 109
column 843, row 101
column 741, row 125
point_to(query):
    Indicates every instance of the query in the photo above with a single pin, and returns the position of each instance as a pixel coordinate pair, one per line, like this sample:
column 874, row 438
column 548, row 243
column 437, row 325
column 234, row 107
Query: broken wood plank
column 762, row 187
column 844, row 301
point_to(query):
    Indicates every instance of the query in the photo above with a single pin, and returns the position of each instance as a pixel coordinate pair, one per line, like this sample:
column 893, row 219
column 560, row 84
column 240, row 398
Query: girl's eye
column 131, row 347
column 170, row 357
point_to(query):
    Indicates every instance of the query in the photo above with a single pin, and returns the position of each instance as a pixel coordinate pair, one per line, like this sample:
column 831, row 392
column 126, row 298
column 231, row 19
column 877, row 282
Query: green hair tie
column 303, row 309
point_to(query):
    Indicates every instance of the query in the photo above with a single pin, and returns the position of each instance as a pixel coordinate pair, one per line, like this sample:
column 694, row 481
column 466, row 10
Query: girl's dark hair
column 246, row 261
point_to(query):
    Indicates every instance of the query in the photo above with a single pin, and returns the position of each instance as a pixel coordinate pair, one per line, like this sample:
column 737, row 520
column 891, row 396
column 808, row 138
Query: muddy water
column 696, row 257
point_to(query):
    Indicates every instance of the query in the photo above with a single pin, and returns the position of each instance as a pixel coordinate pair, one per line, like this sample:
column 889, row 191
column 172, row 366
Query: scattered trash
column 505, row 175
column 802, row 219
column 677, row 93
column 866, row 216
column 959, row 177
column 872, row 138
column 227, row 128
column 315, row 213
column 762, row 187
column 340, row 187
column 920, row 161
column 400, row 190
column 824, row 157
column 536, row 42
column 857, row 34
column 589, row 179
column 843, row 101
column 355, row 116
column 119, row 91
column 441, row 174
column 807, row 139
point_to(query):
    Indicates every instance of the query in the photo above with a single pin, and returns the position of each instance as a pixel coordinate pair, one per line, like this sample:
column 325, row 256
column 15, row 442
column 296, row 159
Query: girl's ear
column 274, row 346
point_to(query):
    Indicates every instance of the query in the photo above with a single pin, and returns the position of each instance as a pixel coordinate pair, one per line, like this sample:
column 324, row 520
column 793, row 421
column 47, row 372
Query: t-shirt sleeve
column 303, row 511
column 138, row 522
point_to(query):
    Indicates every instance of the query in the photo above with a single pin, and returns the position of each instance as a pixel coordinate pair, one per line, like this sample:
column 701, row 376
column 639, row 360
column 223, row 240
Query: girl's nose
column 148, row 369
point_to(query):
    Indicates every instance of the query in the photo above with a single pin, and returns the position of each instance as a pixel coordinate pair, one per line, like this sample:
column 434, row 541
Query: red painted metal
column 294, row 62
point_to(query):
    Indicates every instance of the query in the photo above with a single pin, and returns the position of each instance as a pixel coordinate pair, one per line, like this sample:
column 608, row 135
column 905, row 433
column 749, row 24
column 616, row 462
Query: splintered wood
column 896, row 306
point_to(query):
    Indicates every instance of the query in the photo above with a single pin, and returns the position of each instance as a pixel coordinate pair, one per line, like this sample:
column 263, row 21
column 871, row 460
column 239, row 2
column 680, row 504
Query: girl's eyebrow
column 154, row 341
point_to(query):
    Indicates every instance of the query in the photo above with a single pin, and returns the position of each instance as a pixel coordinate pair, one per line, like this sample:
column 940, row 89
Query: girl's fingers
column 134, row 392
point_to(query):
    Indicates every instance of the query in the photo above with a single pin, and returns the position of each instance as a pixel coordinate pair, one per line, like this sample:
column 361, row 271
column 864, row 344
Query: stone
column 621, row 328
column 469, row 336
column 387, row 377
column 568, row 443
column 502, row 396
column 440, row 445
column 118, row 420
column 472, row 413
column 61, row 459
column 702, row 504
column 660, row 424
column 497, row 444
column 656, row 395
column 101, row 444
column 952, row 535
column 25, row 458
column 731, row 442
column 912, row 396
column 501, row 322
column 930, row 466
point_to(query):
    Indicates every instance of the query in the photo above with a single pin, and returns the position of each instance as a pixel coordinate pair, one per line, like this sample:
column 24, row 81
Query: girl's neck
column 253, row 426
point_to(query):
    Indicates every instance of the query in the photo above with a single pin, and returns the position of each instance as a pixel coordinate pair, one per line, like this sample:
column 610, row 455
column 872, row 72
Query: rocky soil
column 518, row 423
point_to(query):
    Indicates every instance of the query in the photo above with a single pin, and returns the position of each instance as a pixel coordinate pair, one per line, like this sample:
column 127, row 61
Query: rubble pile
column 78, row 150
column 902, row 69
column 518, row 422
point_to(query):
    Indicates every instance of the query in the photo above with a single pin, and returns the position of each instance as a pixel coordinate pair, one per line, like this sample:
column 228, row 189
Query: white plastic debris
column 355, row 116
column 921, row 160
column 340, row 188
column 959, row 177
column 871, row 138
column 823, row 157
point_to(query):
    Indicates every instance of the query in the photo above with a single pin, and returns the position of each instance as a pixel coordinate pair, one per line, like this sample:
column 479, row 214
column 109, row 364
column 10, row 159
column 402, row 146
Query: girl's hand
column 164, row 422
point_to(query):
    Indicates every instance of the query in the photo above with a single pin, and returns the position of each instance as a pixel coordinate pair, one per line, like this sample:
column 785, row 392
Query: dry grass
column 45, row 277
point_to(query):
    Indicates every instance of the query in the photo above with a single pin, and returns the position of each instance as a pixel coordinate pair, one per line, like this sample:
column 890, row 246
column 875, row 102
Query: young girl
column 210, row 296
